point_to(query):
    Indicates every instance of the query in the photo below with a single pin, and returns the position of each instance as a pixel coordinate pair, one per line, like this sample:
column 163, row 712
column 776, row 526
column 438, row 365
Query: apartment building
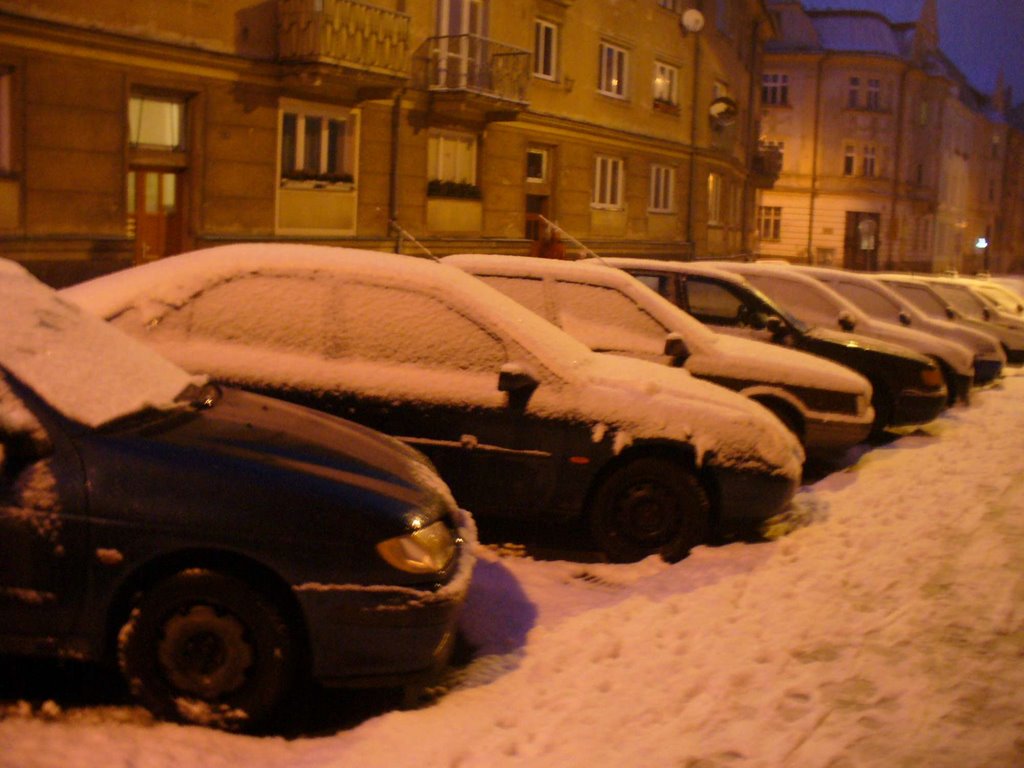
column 890, row 158
column 135, row 129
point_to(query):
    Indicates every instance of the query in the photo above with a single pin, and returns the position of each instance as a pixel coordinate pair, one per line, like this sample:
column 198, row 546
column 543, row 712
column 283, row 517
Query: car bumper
column 986, row 371
column 831, row 435
column 918, row 407
column 746, row 499
column 380, row 635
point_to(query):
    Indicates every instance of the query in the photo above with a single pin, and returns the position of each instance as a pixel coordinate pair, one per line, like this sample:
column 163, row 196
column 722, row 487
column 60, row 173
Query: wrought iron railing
column 477, row 64
column 344, row 32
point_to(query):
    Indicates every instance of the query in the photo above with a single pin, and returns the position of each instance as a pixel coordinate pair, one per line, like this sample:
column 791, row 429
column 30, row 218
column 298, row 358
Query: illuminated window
column 608, row 172
column 714, row 198
column 666, row 78
column 853, row 94
column 451, row 157
column 545, row 49
column 318, row 146
column 663, row 181
column 769, row 222
column 775, row 89
column 156, row 122
column 612, row 67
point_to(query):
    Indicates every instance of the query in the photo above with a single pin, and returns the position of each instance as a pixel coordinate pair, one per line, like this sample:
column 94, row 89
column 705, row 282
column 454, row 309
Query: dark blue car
column 219, row 545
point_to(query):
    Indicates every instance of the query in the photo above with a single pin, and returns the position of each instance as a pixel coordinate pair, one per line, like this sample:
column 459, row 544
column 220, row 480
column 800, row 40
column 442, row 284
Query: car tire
column 881, row 401
column 650, row 506
column 203, row 647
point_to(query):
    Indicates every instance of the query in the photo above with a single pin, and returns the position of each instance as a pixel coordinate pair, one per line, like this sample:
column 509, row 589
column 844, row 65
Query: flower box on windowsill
column 330, row 181
column 457, row 189
column 666, row 107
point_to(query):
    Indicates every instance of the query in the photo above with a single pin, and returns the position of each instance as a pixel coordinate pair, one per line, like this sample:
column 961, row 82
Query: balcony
column 765, row 166
column 471, row 70
column 319, row 35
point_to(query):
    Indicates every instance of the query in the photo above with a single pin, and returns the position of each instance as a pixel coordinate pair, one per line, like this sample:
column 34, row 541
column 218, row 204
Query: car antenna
column 403, row 234
column 587, row 253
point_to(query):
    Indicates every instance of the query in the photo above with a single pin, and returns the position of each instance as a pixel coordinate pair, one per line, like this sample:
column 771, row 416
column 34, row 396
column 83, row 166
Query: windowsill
column 616, row 97
column 666, row 108
column 784, row 105
column 868, row 110
column 660, row 212
column 605, row 207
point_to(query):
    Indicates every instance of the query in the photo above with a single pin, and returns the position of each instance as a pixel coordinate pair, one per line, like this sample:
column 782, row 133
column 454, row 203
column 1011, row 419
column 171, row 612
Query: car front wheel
column 203, row 647
column 650, row 506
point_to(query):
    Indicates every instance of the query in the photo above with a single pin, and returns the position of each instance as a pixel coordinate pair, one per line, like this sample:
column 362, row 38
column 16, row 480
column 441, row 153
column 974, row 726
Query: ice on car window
column 805, row 302
column 528, row 291
column 872, row 302
column 712, row 302
column 606, row 320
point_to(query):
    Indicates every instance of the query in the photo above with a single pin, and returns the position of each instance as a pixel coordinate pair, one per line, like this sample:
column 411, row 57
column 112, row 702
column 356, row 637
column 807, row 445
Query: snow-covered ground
column 885, row 628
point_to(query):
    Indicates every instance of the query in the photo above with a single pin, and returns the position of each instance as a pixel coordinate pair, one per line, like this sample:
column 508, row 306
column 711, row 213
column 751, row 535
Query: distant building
column 890, row 159
column 134, row 129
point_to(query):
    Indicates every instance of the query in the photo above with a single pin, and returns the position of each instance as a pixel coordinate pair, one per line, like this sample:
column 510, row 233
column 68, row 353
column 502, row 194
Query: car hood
column 758, row 361
column 867, row 342
column 291, row 437
column 636, row 400
column 959, row 357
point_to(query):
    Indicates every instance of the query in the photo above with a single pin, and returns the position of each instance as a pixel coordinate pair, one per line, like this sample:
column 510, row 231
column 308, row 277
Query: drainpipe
column 814, row 159
column 752, row 140
column 693, row 144
column 897, row 161
column 396, row 124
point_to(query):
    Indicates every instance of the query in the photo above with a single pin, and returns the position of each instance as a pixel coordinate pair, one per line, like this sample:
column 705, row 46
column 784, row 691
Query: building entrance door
column 154, row 212
column 860, row 249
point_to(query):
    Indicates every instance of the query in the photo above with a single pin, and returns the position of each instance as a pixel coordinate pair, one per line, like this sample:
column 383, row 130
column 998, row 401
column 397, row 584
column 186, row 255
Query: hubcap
column 204, row 652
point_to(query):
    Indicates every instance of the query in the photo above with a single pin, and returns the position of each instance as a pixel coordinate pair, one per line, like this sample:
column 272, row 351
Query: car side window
column 606, row 319
column 528, row 291
column 804, row 302
column 713, row 303
column 397, row 325
column 872, row 302
column 659, row 283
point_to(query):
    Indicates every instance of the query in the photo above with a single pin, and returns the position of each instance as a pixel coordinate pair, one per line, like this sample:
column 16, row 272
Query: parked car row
column 275, row 485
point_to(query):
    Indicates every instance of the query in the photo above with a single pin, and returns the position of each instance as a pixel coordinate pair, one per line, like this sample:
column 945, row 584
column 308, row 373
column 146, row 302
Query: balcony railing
column 765, row 166
column 475, row 64
column 344, row 33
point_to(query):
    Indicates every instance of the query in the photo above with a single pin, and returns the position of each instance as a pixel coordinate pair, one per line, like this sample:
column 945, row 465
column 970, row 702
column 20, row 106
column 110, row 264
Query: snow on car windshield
column 85, row 369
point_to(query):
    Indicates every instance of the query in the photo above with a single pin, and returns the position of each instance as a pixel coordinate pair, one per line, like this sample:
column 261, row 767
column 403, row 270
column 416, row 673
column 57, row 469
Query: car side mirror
column 847, row 321
column 775, row 326
column 952, row 313
column 676, row 349
column 904, row 318
column 986, row 313
column 514, row 378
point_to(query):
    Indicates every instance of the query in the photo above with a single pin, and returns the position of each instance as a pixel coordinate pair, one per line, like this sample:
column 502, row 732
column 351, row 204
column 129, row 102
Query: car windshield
column 922, row 297
column 962, row 300
column 85, row 369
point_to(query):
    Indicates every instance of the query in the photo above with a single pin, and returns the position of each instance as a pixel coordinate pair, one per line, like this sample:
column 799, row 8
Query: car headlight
column 427, row 550
column 931, row 377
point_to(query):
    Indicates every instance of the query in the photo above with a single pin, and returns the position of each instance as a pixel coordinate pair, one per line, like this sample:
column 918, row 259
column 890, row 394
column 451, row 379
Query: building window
column 769, row 222
column 6, row 121
column 607, row 182
column 536, row 164
column 612, row 70
column 775, row 89
column 714, row 198
column 869, row 166
column 156, row 122
column 853, row 94
column 666, row 78
column 451, row 165
column 849, row 160
column 922, row 113
column 874, row 94
column 723, row 16
column 545, row 49
column 317, row 147
column 663, row 181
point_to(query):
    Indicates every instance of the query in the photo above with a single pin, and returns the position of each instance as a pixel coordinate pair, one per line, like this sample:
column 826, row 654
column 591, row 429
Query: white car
column 923, row 294
column 816, row 304
column 826, row 405
column 521, row 420
column 881, row 302
column 967, row 301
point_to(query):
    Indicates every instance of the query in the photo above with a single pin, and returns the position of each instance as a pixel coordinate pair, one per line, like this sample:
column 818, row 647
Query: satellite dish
column 692, row 20
column 723, row 111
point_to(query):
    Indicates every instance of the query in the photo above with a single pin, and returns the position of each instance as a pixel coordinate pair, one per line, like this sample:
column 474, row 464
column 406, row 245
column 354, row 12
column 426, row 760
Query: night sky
column 979, row 36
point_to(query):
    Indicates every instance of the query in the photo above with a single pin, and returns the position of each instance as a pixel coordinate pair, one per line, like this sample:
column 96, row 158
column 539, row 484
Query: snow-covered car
column 880, row 302
column 521, row 420
column 817, row 304
column 221, row 545
column 826, row 405
column 1002, row 296
column 968, row 302
column 907, row 388
column 923, row 295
